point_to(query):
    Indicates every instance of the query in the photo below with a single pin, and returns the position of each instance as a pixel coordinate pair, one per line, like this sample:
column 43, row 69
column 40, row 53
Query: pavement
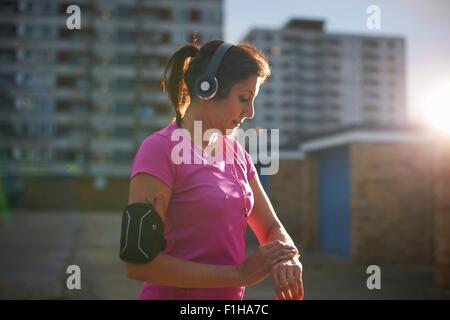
column 36, row 247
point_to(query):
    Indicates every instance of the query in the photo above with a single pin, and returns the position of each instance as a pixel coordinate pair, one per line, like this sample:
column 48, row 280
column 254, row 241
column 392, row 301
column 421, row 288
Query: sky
column 425, row 25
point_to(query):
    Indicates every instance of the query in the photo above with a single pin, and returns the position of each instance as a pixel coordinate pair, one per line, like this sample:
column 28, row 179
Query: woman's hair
column 190, row 61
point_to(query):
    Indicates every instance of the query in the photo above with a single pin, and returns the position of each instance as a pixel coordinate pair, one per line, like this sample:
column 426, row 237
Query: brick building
column 360, row 193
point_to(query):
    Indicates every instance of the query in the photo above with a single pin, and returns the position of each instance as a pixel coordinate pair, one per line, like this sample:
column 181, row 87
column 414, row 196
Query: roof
column 366, row 134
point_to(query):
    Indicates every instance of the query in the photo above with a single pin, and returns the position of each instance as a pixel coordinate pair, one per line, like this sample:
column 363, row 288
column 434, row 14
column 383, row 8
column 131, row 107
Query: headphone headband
column 206, row 85
column 217, row 59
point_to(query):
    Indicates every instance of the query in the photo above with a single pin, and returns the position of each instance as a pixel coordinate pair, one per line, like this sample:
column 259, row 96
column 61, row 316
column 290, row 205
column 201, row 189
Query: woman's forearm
column 278, row 232
column 175, row 272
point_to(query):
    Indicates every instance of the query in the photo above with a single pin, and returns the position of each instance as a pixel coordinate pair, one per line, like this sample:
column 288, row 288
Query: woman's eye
column 243, row 100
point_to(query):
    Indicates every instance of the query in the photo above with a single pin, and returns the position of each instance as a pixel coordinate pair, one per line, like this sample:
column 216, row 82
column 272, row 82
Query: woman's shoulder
column 159, row 139
column 154, row 156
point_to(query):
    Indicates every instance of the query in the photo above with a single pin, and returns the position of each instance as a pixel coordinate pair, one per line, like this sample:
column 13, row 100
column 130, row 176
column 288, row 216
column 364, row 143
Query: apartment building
column 79, row 102
column 324, row 81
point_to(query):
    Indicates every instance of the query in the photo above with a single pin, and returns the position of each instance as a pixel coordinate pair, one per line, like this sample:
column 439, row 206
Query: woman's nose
column 249, row 111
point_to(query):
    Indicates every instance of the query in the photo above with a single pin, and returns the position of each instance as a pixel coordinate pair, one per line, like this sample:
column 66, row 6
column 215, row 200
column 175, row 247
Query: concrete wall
column 391, row 202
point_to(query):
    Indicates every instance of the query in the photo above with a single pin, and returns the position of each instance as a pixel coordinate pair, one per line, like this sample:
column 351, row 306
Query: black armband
column 142, row 236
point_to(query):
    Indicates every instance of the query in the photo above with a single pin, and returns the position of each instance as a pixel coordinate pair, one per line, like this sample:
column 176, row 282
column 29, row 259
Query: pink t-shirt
column 207, row 214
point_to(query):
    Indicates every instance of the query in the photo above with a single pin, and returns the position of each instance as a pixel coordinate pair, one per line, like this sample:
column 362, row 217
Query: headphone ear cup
column 206, row 88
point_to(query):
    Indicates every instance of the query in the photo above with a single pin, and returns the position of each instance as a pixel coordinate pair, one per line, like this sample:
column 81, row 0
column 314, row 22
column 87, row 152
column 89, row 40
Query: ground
column 36, row 248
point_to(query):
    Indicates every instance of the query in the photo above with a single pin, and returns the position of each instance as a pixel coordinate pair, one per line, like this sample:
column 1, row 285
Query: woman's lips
column 236, row 124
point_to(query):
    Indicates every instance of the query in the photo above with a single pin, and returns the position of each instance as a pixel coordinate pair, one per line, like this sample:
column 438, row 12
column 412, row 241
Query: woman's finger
column 269, row 250
column 276, row 285
column 292, row 282
column 301, row 292
column 275, row 256
column 277, row 260
column 275, row 246
column 299, row 279
column 284, row 285
column 298, row 274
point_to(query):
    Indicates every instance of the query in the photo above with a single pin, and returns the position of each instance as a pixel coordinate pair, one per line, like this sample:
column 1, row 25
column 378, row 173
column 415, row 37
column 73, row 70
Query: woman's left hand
column 287, row 279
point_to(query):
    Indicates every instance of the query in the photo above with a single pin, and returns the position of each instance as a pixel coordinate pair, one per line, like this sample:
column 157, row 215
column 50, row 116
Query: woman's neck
column 192, row 114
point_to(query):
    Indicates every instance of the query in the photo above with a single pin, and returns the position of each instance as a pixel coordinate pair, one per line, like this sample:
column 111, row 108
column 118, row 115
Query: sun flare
column 436, row 108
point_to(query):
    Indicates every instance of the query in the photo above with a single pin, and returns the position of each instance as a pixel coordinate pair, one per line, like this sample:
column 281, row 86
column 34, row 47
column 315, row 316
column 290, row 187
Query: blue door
column 334, row 201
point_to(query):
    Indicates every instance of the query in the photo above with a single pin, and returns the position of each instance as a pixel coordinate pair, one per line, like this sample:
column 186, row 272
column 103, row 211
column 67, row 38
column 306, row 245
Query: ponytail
column 174, row 83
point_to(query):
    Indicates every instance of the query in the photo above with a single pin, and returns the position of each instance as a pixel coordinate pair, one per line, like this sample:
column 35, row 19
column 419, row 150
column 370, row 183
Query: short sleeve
column 251, row 169
column 244, row 158
column 153, row 157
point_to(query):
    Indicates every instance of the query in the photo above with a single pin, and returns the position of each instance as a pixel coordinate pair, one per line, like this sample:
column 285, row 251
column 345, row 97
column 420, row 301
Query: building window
column 372, row 44
column 124, row 12
column 275, row 50
column 121, row 132
column 71, row 82
column 8, row 7
column 370, row 56
column 371, row 108
column 370, row 69
column 158, row 14
column 7, row 31
column 212, row 16
column 6, row 80
column 391, row 57
column 123, row 83
column 122, row 156
column 370, row 82
column 145, row 111
column 124, row 35
column 7, row 56
column 269, row 105
column 36, row 32
column 195, row 15
column 391, row 44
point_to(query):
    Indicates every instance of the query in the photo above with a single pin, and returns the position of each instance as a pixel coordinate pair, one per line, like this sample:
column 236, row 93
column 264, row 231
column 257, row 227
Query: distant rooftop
column 305, row 24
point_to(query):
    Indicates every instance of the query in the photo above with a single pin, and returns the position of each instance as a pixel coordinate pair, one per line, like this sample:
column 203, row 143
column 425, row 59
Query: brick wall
column 292, row 196
column 441, row 206
column 391, row 202
column 74, row 193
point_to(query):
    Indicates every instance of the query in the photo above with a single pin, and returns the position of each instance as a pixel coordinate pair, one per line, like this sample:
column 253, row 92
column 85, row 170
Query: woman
column 206, row 207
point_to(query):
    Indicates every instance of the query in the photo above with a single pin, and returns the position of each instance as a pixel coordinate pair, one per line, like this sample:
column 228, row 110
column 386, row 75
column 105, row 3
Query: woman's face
column 238, row 106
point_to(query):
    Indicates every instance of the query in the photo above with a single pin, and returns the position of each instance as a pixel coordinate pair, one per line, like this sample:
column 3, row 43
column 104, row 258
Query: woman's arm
column 263, row 220
column 171, row 271
column 174, row 272
column 286, row 275
column 165, row 269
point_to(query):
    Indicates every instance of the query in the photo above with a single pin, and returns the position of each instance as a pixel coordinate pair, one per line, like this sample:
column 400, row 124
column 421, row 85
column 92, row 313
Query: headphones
column 206, row 85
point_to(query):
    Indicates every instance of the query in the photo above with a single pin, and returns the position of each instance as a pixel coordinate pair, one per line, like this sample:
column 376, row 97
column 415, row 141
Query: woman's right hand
column 258, row 265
